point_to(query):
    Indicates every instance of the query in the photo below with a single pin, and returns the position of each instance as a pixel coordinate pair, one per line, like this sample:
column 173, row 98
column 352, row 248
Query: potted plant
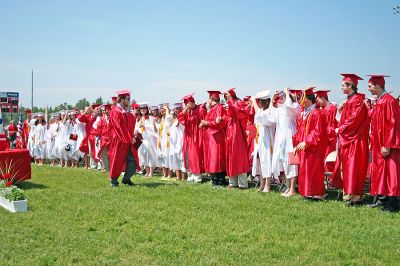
column 11, row 197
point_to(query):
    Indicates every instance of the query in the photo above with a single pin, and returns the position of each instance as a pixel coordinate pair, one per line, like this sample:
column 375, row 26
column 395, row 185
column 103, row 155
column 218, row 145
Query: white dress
column 176, row 143
column 30, row 143
column 164, row 145
column 147, row 151
column 76, row 128
column 264, row 143
column 61, row 141
column 39, row 141
column 285, row 118
column 51, row 140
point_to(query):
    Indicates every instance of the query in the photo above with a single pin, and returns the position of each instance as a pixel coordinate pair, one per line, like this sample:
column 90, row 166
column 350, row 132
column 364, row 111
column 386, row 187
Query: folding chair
column 331, row 158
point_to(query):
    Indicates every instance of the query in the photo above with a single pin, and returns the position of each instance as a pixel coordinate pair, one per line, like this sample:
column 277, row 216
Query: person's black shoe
column 114, row 185
column 390, row 208
column 128, row 183
column 351, row 203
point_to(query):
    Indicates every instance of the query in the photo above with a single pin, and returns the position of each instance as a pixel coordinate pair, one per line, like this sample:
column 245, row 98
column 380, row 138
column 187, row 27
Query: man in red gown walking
column 214, row 140
column 353, row 132
column 122, row 149
column 310, row 143
column 385, row 146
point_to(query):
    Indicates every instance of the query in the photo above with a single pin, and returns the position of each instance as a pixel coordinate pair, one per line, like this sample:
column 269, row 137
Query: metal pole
column 32, row 92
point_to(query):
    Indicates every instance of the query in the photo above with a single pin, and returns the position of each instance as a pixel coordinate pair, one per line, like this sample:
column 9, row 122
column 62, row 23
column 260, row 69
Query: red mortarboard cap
column 296, row 92
column 107, row 106
column 95, row 105
column 351, row 78
column 188, row 98
column 232, row 92
column 114, row 99
column 135, row 106
column 124, row 92
column 309, row 91
column 246, row 98
column 378, row 79
column 28, row 111
column 322, row 93
column 214, row 94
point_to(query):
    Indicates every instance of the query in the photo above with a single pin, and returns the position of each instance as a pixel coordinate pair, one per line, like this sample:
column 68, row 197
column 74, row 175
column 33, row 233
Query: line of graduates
column 285, row 136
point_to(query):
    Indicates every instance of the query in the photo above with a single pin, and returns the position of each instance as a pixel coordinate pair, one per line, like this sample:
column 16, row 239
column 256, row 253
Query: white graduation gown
column 285, row 119
column 264, row 143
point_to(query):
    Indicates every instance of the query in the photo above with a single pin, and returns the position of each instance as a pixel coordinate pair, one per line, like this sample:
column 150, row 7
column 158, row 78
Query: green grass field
column 74, row 217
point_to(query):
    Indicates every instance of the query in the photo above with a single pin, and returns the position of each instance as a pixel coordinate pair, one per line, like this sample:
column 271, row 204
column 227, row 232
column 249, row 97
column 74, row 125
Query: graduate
column 214, row 140
column 329, row 115
column 147, row 151
column 77, row 133
column 385, row 146
column 310, row 143
column 51, row 137
column 26, row 128
column 264, row 140
column 236, row 149
column 123, row 142
column 40, row 139
column 62, row 138
column 163, row 142
column 353, row 133
column 285, row 116
column 104, row 140
column 190, row 118
column 175, row 135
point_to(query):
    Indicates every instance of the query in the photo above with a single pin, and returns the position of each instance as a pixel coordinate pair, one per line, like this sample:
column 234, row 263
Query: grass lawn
column 75, row 218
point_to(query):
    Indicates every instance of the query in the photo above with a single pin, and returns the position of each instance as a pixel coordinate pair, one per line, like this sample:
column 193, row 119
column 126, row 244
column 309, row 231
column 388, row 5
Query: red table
column 17, row 163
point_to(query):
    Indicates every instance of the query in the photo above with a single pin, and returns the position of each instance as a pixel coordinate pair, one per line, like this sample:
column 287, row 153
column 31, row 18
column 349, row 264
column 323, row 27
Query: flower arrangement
column 8, row 172
column 10, row 192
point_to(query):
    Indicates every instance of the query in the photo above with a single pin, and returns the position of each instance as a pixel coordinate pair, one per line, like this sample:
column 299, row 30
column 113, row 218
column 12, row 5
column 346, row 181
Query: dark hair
column 353, row 86
column 311, row 97
column 122, row 98
column 374, row 83
column 37, row 122
column 265, row 103
column 215, row 99
column 147, row 110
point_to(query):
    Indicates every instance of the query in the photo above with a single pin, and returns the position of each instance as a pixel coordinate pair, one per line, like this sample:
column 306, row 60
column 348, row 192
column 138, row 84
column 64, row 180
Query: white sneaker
column 190, row 179
column 197, row 178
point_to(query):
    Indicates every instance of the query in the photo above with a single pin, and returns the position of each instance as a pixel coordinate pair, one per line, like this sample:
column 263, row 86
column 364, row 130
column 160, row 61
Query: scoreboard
column 9, row 102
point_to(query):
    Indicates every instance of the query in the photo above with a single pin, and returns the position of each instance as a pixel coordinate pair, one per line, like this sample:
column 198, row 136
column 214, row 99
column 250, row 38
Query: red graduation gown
column 88, row 120
column 329, row 116
column 193, row 139
column 353, row 147
column 312, row 131
column 103, row 124
column 214, row 141
column 121, row 129
column 385, row 132
column 236, row 151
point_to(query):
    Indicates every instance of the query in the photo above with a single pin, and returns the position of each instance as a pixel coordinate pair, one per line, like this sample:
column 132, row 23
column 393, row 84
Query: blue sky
column 162, row 50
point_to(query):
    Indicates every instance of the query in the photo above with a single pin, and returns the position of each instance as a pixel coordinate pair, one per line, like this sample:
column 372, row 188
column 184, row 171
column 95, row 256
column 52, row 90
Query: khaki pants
column 239, row 181
column 105, row 159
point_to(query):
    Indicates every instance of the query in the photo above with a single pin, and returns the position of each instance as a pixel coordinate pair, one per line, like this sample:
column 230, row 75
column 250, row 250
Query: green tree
column 82, row 103
column 99, row 100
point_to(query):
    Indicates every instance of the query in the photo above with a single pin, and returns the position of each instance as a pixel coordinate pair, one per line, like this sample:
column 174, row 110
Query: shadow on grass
column 156, row 184
column 29, row 185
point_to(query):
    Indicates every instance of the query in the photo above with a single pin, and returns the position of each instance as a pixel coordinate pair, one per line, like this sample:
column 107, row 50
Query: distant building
column 9, row 102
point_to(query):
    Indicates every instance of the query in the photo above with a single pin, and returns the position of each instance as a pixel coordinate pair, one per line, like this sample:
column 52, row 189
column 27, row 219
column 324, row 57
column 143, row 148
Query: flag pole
column 32, row 92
